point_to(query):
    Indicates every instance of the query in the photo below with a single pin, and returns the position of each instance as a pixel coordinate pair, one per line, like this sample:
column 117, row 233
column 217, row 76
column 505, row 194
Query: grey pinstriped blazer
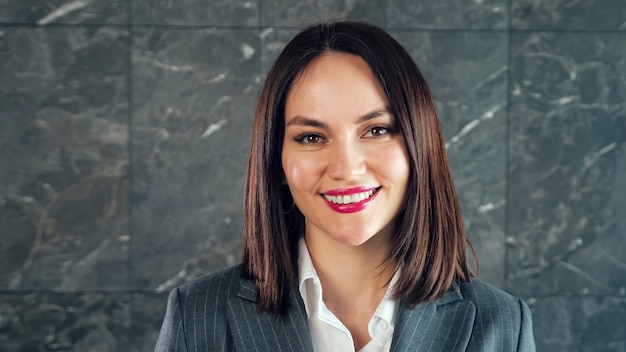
column 217, row 313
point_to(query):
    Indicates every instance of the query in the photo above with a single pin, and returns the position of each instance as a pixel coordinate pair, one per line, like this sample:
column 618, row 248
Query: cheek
column 300, row 171
column 393, row 162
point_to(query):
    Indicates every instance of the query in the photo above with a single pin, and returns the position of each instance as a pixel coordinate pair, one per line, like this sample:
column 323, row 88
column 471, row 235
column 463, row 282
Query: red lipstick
column 350, row 200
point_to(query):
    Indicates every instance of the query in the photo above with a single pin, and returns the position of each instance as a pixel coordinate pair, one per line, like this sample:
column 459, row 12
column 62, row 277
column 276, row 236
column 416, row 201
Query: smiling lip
column 350, row 200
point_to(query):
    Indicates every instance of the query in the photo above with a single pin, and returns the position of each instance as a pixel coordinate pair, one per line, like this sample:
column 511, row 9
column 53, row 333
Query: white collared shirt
column 327, row 332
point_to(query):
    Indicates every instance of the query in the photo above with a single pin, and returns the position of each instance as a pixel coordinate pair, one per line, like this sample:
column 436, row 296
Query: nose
column 346, row 162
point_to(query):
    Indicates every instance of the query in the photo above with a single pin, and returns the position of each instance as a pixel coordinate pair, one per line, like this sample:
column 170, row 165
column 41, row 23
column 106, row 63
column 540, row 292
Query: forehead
column 335, row 84
column 332, row 67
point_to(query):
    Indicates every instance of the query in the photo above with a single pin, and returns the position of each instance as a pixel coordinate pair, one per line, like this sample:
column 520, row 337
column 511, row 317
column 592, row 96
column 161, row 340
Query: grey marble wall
column 124, row 127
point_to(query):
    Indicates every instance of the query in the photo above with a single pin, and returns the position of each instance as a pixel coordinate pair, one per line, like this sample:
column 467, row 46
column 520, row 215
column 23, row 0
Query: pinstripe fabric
column 217, row 313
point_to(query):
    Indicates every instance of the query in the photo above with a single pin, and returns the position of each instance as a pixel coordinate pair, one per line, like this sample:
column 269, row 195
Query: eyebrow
column 306, row 121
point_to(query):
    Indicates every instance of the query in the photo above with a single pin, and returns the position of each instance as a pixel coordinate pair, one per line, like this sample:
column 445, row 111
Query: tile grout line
column 129, row 225
column 507, row 151
column 509, row 29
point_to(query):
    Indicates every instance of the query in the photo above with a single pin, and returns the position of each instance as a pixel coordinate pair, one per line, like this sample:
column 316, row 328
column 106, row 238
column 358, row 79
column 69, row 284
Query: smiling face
column 344, row 159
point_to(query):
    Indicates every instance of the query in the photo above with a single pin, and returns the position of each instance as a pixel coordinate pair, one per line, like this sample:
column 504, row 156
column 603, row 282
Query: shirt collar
column 312, row 293
column 387, row 308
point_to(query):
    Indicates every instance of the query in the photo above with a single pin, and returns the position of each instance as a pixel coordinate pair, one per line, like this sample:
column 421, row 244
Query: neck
column 354, row 279
column 352, row 276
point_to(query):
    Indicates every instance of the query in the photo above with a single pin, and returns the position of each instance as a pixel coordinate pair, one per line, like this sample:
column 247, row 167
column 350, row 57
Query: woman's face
column 344, row 159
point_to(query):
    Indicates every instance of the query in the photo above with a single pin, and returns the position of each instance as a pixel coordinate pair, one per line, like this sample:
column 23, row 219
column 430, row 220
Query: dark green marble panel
column 574, row 324
column 43, row 12
column 569, row 15
column 193, row 92
column 448, row 14
column 196, row 12
column 148, row 311
column 298, row 13
column 567, row 190
column 64, row 322
column 63, row 150
column 273, row 40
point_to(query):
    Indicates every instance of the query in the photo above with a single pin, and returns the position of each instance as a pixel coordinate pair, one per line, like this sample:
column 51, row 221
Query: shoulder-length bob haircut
column 430, row 243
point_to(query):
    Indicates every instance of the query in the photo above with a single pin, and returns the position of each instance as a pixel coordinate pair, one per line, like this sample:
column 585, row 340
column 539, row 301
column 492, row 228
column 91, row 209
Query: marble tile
column 273, row 40
column 64, row 322
column 43, row 12
column 467, row 74
column 448, row 14
column 568, row 14
column 148, row 311
column 301, row 13
column 569, row 324
column 196, row 12
column 63, row 181
column 567, row 168
column 194, row 92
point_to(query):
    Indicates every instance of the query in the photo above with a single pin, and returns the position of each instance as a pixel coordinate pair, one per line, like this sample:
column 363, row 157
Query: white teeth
column 347, row 199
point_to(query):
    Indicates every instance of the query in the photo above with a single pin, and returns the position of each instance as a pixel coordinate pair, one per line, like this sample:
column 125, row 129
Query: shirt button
column 382, row 325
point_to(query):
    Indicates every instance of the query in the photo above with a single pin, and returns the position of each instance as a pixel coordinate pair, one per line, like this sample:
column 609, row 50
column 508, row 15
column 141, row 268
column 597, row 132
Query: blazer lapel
column 443, row 325
column 252, row 331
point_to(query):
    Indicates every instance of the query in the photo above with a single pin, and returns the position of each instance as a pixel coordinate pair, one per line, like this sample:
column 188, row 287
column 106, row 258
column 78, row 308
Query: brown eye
column 312, row 139
column 377, row 131
column 309, row 139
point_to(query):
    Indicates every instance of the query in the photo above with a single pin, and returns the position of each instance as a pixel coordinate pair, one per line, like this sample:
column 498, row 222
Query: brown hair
column 430, row 244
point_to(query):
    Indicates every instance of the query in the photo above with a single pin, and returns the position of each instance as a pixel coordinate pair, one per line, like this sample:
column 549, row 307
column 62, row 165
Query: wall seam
column 129, row 83
column 507, row 147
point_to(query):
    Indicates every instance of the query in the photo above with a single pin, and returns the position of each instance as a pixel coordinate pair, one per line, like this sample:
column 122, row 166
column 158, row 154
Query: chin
column 352, row 241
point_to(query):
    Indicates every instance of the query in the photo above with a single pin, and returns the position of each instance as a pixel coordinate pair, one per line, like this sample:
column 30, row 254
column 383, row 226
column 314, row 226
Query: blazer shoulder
column 491, row 300
column 196, row 313
column 500, row 316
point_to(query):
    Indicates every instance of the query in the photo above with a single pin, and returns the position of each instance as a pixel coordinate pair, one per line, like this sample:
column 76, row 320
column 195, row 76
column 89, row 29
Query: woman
column 353, row 237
